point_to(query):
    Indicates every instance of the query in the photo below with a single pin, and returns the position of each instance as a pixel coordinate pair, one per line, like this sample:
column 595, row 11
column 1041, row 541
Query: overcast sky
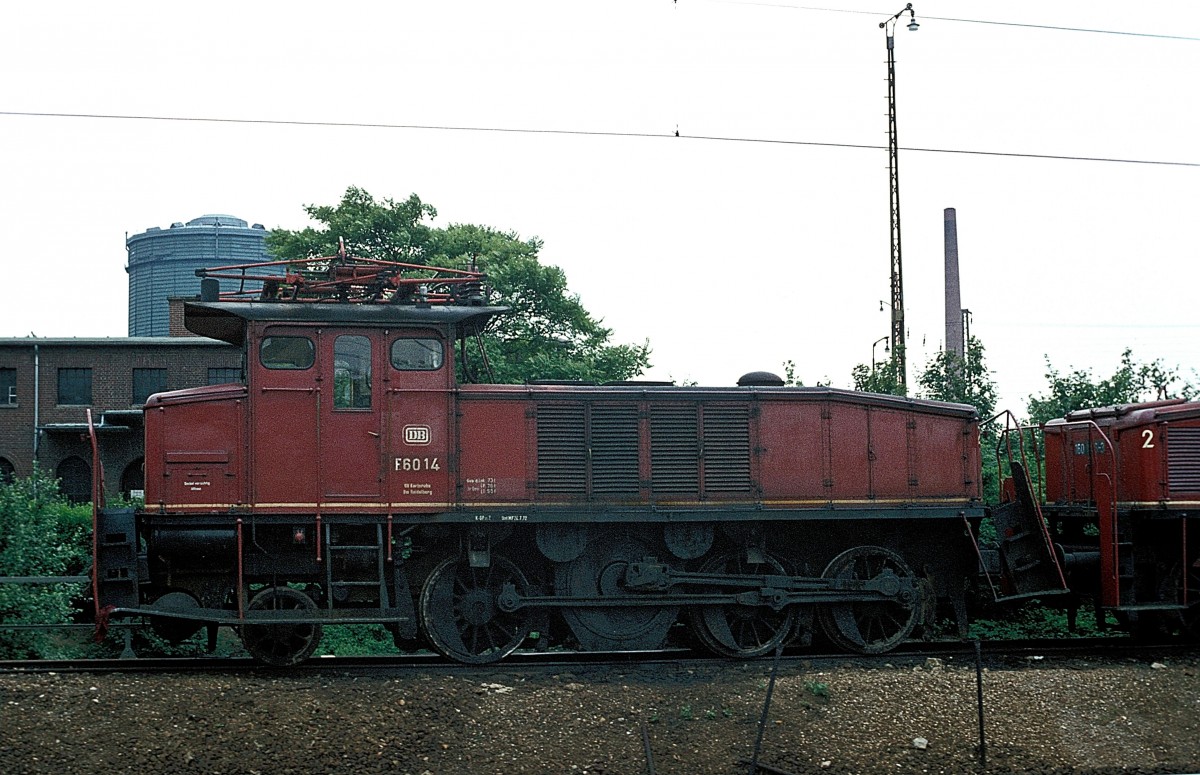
column 728, row 255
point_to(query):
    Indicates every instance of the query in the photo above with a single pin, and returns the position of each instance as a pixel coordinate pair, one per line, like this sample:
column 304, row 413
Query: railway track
column 999, row 653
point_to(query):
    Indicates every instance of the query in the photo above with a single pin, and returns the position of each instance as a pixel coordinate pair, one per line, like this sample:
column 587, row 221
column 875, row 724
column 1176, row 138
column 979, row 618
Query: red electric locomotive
column 354, row 478
column 1122, row 488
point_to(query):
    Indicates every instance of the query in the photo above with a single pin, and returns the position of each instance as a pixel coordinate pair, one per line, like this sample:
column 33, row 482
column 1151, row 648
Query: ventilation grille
column 614, row 445
column 1183, row 460
column 679, row 452
column 726, row 449
column 587, row 450
column 562, row 449
column 674, row 449
column 592, row 450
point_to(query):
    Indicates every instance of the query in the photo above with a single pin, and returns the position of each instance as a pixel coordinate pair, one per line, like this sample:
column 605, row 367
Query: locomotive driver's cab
column 346, row 407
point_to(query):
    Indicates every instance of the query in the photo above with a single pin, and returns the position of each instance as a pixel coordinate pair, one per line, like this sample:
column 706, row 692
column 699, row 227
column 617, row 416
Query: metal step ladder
column 342, row 574
column 1026, row 554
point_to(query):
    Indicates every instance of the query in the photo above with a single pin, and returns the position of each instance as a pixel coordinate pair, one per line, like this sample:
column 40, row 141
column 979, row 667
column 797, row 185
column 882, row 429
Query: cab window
column 417, row 354
column 352, row 372
column 286, row 352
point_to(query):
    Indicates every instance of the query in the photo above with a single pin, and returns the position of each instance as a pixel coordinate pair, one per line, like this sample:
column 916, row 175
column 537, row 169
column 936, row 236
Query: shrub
column 41, row 534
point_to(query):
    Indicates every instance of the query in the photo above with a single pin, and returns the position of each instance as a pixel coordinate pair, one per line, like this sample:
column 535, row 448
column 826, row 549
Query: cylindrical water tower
column 163, row 263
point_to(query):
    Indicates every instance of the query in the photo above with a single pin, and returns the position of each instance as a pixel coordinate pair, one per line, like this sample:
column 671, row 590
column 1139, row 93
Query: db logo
column 417, row 434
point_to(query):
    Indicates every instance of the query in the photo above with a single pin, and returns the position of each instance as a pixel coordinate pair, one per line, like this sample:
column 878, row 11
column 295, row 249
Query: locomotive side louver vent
column 562, row 449
column 614, row 445
column 587, row 450
column 1183, row 460
column 674, row 449
column 726, row 449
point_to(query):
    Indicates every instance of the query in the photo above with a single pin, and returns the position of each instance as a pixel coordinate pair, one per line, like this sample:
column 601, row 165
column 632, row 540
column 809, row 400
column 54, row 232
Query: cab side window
column 352, row 372
column 287, row 352
column 417, row 354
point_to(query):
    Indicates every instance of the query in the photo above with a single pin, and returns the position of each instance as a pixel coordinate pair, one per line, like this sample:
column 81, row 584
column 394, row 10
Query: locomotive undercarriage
column 477, row 592
column 1153, row 590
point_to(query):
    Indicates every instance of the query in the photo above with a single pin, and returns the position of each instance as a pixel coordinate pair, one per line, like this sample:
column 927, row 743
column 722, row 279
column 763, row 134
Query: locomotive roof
column 668, row 391
column 226, row 320
column 1130, row 415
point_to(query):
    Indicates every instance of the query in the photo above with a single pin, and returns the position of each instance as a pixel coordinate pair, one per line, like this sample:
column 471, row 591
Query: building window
column 8, row 472
column 75, row 387
column 352, row 372
column 8, row 386
column 223, row 375
column 147, row 382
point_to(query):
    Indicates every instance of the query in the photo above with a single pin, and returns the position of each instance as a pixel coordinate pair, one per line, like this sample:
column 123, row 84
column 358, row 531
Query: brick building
column 47, row 386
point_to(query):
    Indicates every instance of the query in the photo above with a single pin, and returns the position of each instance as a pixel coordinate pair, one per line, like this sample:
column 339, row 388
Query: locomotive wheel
column 872, row 627
column 459, row 614
column 600, row 572
column 740, row 631
column 281, row 645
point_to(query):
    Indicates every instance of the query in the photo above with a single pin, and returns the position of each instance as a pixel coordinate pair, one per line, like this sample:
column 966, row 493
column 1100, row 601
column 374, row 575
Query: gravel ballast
column 1043, row 716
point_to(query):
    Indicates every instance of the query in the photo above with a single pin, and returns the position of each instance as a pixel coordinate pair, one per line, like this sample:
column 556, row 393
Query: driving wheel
column 742, row 631
column 459, row 614
column 872, row 627
column 599, row 572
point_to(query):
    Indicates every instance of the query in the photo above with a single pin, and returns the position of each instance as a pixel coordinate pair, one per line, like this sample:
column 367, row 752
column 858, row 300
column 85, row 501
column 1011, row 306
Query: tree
column 1131, row 383
column 947, row 377
column 882, row 378
column 547, row 335
column 386, row 230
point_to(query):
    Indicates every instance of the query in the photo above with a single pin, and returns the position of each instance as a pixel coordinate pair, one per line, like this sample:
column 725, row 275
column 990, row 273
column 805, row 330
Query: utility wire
column 1064, row 29
column 964, row 21
column 584, row 133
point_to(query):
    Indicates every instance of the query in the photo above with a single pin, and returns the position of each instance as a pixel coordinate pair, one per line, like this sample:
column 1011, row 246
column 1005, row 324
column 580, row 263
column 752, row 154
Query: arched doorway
column 8, row 471
column 133, row 478
column 75, row 476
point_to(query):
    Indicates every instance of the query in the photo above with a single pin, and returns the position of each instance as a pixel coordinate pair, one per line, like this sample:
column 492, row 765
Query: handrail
column 1004, row 443
column 1005, row 440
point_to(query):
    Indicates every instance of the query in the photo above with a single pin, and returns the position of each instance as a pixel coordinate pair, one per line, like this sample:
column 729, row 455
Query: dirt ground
column 909, row 717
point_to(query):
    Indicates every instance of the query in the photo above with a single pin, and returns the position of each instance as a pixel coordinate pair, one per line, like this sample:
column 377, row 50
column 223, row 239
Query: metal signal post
column 898, row 349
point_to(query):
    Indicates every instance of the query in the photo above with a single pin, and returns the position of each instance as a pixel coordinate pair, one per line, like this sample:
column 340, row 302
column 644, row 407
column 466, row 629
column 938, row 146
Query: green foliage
column 1132, row 382
column 357, row 640
column 882, row 377
column 817, row 689
column 947, row 377
column 548, row 335
column 41, row 534
column 386, row 230
column 1035, row 620
column 789, row 374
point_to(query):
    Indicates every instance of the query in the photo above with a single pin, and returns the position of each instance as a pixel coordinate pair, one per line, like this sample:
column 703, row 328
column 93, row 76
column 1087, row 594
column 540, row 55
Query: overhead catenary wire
column 673, row 135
